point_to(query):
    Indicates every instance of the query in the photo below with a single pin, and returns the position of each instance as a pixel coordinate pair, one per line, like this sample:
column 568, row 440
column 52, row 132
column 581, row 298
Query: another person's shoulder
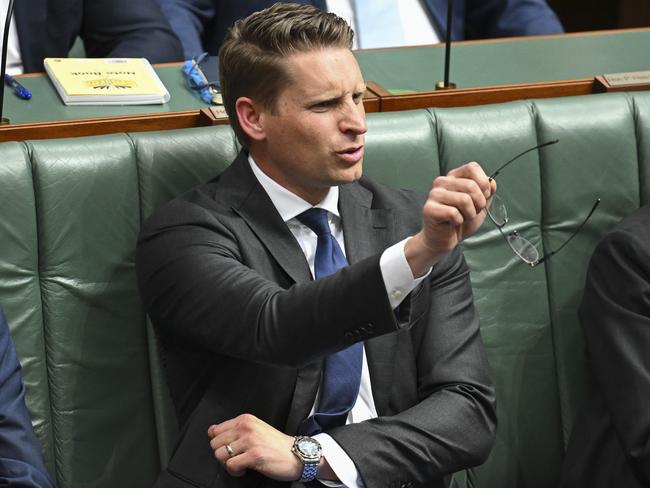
column 637, row 223
column 626, row 244
column 635, row 228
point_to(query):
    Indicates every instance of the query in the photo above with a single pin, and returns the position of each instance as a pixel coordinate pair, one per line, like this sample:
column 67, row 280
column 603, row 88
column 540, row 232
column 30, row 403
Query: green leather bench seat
column 71, row 211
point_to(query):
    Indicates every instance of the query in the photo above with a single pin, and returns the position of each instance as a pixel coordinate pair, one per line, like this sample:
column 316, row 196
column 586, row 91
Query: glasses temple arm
column 494, row 175
column 575, row 233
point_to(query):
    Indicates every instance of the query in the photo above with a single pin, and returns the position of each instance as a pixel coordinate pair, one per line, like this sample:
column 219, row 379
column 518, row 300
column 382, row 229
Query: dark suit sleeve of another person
column 509, row 18
column 128, row 28
column 21, row 460
column 188, row 19
column 615, row 315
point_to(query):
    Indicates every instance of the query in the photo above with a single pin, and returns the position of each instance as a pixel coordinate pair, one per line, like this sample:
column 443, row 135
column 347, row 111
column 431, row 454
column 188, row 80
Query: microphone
column 3, row 67
column 445, row 85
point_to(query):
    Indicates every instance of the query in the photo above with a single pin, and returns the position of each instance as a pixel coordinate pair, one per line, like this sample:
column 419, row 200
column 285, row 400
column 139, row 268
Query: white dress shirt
column 416, row 25
column 14, row 59
column 398, row 280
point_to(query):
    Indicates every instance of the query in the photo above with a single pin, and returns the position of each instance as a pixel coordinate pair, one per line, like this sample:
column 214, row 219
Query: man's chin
column 350, row 176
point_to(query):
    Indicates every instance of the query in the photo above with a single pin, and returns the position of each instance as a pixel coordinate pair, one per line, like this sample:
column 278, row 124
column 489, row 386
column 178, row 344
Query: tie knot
column 316, row 220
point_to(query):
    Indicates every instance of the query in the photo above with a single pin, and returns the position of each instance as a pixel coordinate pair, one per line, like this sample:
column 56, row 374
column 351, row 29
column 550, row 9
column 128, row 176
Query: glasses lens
column 497, row 210
column 523, row 248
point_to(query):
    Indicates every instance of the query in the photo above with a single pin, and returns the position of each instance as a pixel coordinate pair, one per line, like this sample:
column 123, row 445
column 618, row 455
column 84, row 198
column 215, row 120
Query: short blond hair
column 251, row 58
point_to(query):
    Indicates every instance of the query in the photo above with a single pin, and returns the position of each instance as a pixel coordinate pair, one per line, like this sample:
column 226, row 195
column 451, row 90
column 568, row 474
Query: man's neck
column 312, row 196
column 288, row 203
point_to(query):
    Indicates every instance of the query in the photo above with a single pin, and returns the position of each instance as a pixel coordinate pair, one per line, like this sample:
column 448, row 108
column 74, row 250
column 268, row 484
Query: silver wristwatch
column 308, row 450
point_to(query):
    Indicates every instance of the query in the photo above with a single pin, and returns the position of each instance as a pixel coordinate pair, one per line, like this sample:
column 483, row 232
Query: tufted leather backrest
column 71, row 211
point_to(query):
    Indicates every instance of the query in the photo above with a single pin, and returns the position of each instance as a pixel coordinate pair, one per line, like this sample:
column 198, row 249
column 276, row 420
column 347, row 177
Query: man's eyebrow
column 329, row 97
column 324, row 97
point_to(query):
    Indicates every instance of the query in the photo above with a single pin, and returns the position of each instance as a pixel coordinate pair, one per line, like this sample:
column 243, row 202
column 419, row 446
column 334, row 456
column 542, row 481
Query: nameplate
column 633, row 80
column 219, row 112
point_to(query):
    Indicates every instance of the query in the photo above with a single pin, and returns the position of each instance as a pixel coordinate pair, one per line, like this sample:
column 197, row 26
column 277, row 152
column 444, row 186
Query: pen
column 20, row 90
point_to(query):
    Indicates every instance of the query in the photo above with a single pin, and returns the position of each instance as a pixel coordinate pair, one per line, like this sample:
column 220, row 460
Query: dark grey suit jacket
column 610, row 444
column 244, row 328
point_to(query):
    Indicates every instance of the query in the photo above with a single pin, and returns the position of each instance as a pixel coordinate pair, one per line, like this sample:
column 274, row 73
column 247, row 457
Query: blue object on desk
column 198, row 83
column 20, row 90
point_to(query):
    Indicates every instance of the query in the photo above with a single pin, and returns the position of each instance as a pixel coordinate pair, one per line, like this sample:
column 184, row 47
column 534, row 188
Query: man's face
column 314, row 139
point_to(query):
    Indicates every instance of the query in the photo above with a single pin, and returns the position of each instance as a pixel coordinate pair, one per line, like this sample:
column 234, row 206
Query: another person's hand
column 254, row 444
column 453, row 211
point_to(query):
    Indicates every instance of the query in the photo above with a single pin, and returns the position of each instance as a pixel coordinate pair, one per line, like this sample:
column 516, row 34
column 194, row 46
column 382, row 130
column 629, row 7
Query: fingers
column 228, row 443
column 221, row 451
column 247, row 442
column 453, row 211
column 472, row 171
column 460, row 196
column 453, row 206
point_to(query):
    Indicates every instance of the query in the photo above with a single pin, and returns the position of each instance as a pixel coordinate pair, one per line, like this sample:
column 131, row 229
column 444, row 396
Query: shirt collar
column 287, row 203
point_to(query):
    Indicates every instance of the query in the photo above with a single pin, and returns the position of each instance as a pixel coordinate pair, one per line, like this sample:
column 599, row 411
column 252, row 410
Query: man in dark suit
column 610, row 444
column 201, row 25
column 113, row 28
column 21, row 460
column 251, row 341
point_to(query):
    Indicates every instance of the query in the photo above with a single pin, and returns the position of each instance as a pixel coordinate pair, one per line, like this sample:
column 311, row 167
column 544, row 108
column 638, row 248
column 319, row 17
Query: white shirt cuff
column 397, row 274
column 340, row 463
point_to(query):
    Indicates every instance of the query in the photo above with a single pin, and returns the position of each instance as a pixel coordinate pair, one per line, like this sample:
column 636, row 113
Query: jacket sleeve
column 452, row 423
column 21, row 460
column 615, row 316
column 124, row 28
column 199, row 288
column 509, row 18
column 188, row 19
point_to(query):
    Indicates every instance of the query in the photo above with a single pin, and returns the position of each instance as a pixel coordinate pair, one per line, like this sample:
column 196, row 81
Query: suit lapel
column 253, row 205
column 367, row 232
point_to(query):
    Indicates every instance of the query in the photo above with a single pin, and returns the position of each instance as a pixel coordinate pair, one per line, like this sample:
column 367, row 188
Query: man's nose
column 354, row 118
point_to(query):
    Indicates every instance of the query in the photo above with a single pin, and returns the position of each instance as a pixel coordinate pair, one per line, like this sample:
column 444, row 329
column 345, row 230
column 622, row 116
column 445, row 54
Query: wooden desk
column 488, row 71
column 500, row 70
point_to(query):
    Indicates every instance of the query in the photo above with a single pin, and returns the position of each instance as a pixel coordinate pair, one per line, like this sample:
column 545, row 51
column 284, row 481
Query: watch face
column 308, row 447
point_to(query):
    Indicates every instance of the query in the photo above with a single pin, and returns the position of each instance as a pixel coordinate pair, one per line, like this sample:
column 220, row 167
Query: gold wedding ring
column 231, row 453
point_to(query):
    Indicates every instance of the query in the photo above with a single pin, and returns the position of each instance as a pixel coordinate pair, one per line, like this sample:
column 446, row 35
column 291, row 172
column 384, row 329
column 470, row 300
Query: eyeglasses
column 521, row 246
column 198, row 83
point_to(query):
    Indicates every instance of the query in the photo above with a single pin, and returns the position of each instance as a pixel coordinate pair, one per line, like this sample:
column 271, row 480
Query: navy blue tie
column 342, row 370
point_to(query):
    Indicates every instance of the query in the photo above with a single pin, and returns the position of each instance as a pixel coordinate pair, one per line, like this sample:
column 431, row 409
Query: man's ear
column 249, row 114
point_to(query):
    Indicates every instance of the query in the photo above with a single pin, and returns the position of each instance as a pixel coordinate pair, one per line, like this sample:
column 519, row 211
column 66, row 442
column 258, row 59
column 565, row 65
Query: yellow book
column 106, row 81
